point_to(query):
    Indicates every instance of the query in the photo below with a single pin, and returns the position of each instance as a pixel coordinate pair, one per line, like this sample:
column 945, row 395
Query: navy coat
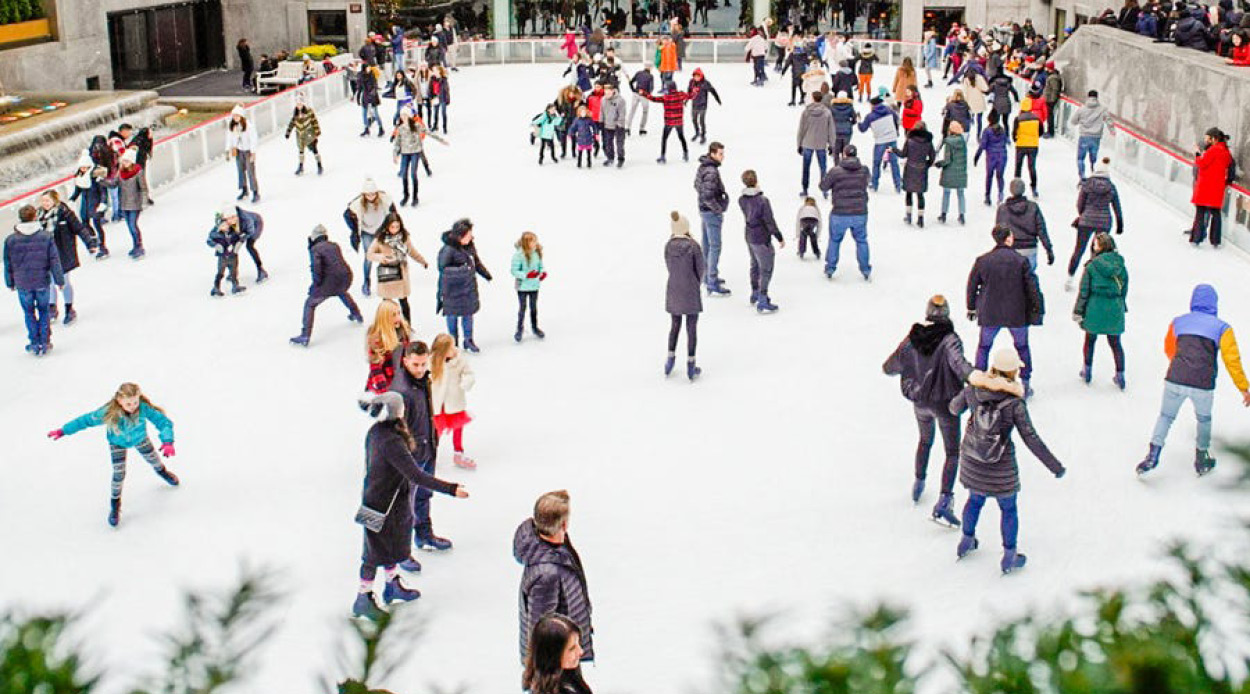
column 31, row 260
column 458, row 267
column 331, row 275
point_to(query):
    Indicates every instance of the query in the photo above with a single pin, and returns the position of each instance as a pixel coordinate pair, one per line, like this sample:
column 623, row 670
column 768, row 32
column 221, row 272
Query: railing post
column 533, row 51
column 715, row 51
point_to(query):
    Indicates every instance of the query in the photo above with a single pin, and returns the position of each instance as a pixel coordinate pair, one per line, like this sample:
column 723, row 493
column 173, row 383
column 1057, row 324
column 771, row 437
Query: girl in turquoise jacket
column 126, row 419
column 545, row 125
column 527, row 268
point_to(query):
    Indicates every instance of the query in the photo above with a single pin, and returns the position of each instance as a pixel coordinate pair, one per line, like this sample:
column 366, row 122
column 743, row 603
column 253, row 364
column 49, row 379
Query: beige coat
column 901, row 83
column 447, row 393
column 379, row 252
column 974, row 94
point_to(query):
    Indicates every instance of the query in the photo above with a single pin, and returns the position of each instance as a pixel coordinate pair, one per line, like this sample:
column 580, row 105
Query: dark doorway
column 940, row 19
column 157, row 45
column 328, row 27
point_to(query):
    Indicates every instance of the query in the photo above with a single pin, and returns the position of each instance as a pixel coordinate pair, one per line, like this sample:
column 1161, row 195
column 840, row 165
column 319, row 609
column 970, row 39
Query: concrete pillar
column 911, row 24
column 502, row 19
column 760, row 8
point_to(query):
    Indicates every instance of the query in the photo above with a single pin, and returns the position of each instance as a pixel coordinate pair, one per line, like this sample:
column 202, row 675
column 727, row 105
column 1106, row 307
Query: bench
column 342, row 60
column 288, row 74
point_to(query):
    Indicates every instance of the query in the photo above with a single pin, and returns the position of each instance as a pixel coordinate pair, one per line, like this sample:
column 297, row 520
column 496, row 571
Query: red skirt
column 451, row 422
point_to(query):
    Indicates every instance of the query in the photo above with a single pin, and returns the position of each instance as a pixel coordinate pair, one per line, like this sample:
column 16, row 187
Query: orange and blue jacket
column 1194, row 340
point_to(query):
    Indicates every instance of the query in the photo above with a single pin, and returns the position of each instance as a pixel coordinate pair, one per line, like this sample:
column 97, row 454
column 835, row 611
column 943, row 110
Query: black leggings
column 523, row 298
column 692, row 333
column 546, row 145
column 919, row 200
column 681, row 135
column 403, row 307
column 251, row 249
column 796, row 86
column 948, row 424
column 1029, row 153
column 1117, row 350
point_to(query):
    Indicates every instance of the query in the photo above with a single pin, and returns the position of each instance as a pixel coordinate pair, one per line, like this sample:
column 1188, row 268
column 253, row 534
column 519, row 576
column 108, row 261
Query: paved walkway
column 223, row 83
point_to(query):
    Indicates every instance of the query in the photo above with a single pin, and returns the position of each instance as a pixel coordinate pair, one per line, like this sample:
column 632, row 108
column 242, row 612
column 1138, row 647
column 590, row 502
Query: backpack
column 985, row 441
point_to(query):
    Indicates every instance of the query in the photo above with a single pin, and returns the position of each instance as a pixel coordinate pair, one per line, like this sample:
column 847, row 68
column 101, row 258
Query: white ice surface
column 778, row 482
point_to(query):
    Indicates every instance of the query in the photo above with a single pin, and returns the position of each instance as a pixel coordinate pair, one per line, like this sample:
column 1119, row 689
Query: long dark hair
column 386, row 226
column 401, row 428
column 543, row 668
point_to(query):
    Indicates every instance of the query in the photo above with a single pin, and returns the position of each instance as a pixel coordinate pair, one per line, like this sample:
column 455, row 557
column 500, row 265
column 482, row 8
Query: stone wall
column 1167, row 94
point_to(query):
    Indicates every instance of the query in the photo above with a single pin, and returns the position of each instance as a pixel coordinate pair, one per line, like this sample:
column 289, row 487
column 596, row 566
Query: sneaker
column 1012, row 561
column 300, row 340
column 917, row 490
column 464, row 461
column 366, row 606
column 396, row 591
column 967, row 545
column 1203, row 462
column 433, row 543
column 1150, row 462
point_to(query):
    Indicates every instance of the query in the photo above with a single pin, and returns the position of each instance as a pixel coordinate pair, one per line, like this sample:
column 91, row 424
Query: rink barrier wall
column 186, row 152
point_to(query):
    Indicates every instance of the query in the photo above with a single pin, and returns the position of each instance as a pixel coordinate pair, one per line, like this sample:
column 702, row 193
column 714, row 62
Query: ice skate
column 396, row 591
column 942, row 514
column 1012, row 561
column 463, row 461
column 669, row 363
column 70, row 315
column 765, row 305
column 115, row 512
column 1203, row 462
column 411, row 565
column 168, row 475
column 1118, row 380
column 432, row 543
column 1150, row 462
column 967, row 545
column 917, row 490
column 1087, row 373
column 366, row 607
column 300, row 340
column 692, row 371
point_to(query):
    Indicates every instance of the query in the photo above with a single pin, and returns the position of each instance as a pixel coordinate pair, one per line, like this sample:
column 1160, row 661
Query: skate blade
column 944, row 523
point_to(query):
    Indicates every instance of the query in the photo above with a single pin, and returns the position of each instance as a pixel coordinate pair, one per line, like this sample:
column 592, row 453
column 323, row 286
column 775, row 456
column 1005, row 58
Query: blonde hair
column 113, row 412
column 551, row 511
column 528, row 244
column 383, row 337
column 443, row 344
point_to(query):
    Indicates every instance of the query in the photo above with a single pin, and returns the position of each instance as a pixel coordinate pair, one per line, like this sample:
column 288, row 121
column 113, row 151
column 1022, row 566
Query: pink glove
column 167, row 449
column 55, row 434
column 542, row 277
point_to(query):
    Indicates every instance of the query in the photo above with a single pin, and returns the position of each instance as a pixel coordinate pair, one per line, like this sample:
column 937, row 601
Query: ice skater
column 761, row 228
column 251, row 225
column 66, row 229
column 674, row 118
column 331, row 277
column 682, row 299
column 365, row 215
column 529, row 273
column 450, row 378
column 1100, row 307
column 241, row 142
column 807, row 228
column 125, row 418
column 307, row 131
column 391, row 249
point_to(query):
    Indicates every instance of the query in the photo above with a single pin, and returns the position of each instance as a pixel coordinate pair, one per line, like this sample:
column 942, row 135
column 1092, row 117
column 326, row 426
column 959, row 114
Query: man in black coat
column 331, row 277
column 412, row 381
column 713, row 201
column 1028, row 226
column 554, row 580
column 847, row 188
column 1003, row 292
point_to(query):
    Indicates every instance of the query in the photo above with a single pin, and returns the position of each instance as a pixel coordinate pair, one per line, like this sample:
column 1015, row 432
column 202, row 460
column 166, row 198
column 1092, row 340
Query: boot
column 470, row 345
column 765, row 305
column 432, row 543
column 366, row 606
column 517, row 335
column 1035, row 196
column 70, row 314
column 967, row 544
column 404, row 201
column 661, row 160
column 987, row 201
column 299, row 170
column 1203, row 462
column 1151, row 461
column 942, row 513
column 1087, row 373
column 1118, row 379
column 669, row 362
column 907, row 217
column 755, row 297
column 356, row 317
column 261, row 275
column 216, row 291
column 242, row 194
column 411, row 565
column 692, row 371
column 464, row 461
column 115, row 511
column 237, row 289
column 255, row 197
column 961, row 220
column 718, row 289
column 538, row 333
column 300, row 340
column 102, row 254
column 942, row 218
column 396, row 591
column 920, row 221
column 320, row 168
column 917, row 490
column 170, row 478
column 364, row 288
column 1012, row 561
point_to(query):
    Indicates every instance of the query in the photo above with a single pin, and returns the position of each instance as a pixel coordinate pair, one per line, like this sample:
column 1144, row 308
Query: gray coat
column 816, row 129
column 553, row 581
column 613, row 112
column 684, row 259
column 1091, row 118
column 130, row 191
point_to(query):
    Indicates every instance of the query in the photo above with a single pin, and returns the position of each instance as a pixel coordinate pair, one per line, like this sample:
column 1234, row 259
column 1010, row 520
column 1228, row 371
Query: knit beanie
column 382, row 407
column 1103, row 167
column 1006, row 360
column 680, row 225
column 318, row 232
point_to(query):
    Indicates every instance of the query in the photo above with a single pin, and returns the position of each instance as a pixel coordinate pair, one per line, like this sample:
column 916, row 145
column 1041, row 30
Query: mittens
column 167, row 449
column 542, row 277
column 532, row 274
column 55, row 434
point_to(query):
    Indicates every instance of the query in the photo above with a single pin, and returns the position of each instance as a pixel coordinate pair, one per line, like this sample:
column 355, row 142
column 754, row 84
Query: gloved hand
column 1062, row 471
column 532, row 274
column 1050, row 257
column 972, row 316
column 1119, row 229
column 167, row 449
column 544, row 276
column 799, row 150
column 55, row 434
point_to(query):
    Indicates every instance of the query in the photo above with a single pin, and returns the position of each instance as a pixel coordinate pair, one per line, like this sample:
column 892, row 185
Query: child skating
column 450, row 378
column 527, row 268
column 225, row 240
column 126, row 419
column 546, row 124
column 807, row 227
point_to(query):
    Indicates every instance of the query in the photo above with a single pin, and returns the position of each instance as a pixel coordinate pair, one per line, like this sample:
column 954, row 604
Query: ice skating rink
column 778, row 483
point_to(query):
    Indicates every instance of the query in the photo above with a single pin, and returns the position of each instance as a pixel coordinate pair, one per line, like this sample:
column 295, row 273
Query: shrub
column 316, row 52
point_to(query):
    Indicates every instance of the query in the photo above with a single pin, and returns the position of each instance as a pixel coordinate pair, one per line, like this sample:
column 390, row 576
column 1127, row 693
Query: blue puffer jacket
column 583, row 131
column 994, row 145
column 130, row 431
column 31, row 260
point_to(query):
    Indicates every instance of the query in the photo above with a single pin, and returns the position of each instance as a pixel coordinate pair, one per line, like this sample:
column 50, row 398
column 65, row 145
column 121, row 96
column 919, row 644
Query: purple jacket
column 994, row 145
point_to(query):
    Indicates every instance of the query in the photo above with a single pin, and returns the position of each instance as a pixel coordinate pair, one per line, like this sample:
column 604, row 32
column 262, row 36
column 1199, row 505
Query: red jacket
column 912, row 111
column 1041, row 109
column 594, row 102
column 1212, row 166
column 1241, row 54
column 674, row 106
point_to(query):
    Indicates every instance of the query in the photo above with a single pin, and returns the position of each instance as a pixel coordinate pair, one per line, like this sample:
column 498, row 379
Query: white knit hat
column 84, row 161
column 130, row 156
column 238, row 110
column 228, row 209
column 680, row 226
column 1006, row 360
column 369, row 186
column 1103, row 167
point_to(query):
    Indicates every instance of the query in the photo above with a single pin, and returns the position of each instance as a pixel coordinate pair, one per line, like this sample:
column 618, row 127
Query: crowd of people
column 1222, row 28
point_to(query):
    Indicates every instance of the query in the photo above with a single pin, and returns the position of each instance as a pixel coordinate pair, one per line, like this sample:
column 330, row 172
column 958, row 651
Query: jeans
column 1019, row 336
column 614, row 144
column 948, row 424
column 314, row 300
column 711, row 245
column 439, row 108
column 454, row 323
column 408, row 173
column 839, row 224
column 369, row 114
column 1204, row 216
column 421, row 525
column 115, row 202
column 762, row 256
column 1010, row 525
column 963, row 203
column 878, row 152
column 807, row 165
column 227, row 266
column 35, row 305
column 1030, row 254
column 1087, row 146
column 132, row 224
column 1175, row 395
column 757, row 64
column 366, row 240
column 245, row 164
column 698, row 117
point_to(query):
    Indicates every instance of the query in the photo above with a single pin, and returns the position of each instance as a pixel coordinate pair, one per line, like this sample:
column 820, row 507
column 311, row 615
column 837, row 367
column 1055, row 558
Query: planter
column 25, row 32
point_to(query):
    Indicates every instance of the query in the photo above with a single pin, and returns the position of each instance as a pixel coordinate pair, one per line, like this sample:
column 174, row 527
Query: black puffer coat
column 987, row 457
column 418, row 409
column 847, row 185
column 1003, row 290
column 331, row 275
column 553, row 581
column 458, row 267
column 709, row 187
column 931, row 362
column 1028, row 226
column 66, row 229
column 919, row 153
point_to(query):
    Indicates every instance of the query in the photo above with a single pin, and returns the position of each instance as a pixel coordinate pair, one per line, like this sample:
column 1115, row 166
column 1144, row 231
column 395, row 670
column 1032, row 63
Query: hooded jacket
column 757, row 212
column 816, row 129
column 843, row 81
column 954, row 163
column 1028, row 226
column 844, row 118
column 919, row 152
column 1194, row 340
column 1191, row 31
column 683, row 294
column 987, row 460
column 884, row 124
column 1096, row 201
column 331, row 275
column 1212, row 169
column 613, row 112
column 458, row 267
column 700, row 90
column 553, row 581
column 1104, row 286
column 1091, row 118
column 31, row 261
column 709, row 187
column 994, row 144
column 847, row 185
column 931, row 362
column 66, row 229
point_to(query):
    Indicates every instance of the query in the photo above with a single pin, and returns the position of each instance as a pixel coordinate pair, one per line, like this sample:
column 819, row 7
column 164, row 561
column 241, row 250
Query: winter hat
column 129, row 156
column 228, row 209
column 844, row 94
column 698, row 72
column 1006, row 360
column 383, row 407
column 1050, row 65
column 459, row 229
column 369, row 186
column 84, row 161
column 1093, row 93
column 883, row 93
column 238, row 110
column 937, row 309
column 300, row 99
column 318, row 232
column 680, row 225
column 1103, row 167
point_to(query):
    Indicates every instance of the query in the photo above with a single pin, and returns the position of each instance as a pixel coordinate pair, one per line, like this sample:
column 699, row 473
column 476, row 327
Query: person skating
column 807, row 228
column 60, row 221
column 387, row 336
column 920, row 154
column 226, row 239
column 796, row 63
column 31, row 266
column 529, row 273
column 931, row 363
column 883, row 122
column 1101, row 305
column 864, row 69
column 1052, row 92
column 582, row 132
column 130, row 199
column 713, row 201
column 1192, row 343
column 1091, row 120
column 1027, row 224
column 757, row 52
column 367, row 95
column 458, row 268
column 614, row 121
column 1026, row 134
column 391, row 475
column 844, row 120
column 1095, row 204
column 954, row 167
column 391, row 249
column 307, row 131
column 450, row 378
column 843, row 82
column 408, row 151
column 1003, row 292
column 547, row 124
column 331, row 277
column 1214, row 170
column 89, row 187
column 642, row 84
column 251, row 225
column 554, row 578
column 761, row 228
column 674, row 118
column 816, row 137
column 847, row 186
column 364, row 216
column 700, row 89
column 241, row 143
column 125, row 418
column 987, row 458
column 911, row 109
column 682, row 300
column 993, row 143
column 553, row 664
column 957, row 110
